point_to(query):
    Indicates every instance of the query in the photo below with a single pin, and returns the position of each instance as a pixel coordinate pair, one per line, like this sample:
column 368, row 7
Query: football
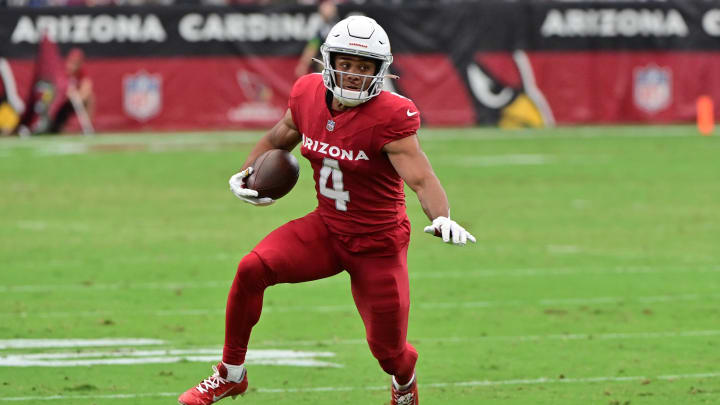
column 275, row 173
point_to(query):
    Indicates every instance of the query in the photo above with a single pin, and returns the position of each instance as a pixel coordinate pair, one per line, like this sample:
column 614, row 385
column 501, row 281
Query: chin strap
column 357, row 97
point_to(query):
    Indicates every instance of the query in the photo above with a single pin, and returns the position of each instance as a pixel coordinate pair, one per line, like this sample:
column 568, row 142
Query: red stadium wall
column 605, row 87
column 465, row 65
column 226, row 93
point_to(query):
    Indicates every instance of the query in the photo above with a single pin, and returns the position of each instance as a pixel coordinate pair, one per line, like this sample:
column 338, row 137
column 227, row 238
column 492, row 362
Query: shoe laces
column 406, row 399
column 211, row 382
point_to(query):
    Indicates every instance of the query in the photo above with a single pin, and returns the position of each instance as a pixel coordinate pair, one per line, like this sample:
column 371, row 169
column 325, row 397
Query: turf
column 595, row 278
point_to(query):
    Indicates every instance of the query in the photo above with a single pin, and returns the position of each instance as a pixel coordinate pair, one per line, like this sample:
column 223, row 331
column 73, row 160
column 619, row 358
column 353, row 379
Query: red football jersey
column 358, row 190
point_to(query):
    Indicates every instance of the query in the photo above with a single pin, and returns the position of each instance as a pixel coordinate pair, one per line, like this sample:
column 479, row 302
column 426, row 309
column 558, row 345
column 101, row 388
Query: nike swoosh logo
column 215, row 399
column 410, row 114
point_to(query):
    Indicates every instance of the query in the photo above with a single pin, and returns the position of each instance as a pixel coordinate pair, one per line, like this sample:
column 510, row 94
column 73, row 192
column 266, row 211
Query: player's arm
column 85, row 88
column 310, row 50
column 414, row 168
column 284, row 135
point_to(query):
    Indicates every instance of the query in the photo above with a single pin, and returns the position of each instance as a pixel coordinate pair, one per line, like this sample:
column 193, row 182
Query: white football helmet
column 360, row 36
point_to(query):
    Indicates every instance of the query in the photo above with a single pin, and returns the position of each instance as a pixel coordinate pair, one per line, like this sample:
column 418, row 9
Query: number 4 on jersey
column 336, row 193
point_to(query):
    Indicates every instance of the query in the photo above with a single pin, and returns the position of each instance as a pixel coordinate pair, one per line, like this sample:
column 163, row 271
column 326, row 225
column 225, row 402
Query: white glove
column 449, row 229
column 237, row 186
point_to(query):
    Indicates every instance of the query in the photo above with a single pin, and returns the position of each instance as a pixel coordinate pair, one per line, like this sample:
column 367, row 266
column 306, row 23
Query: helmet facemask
column 370, row 85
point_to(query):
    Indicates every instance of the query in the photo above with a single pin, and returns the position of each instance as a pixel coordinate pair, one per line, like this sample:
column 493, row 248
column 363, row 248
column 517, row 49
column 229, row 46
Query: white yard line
column 123, row 143
column 213, row 141
column 129, row 352
column 125, row 356
column 474, row 383
column 509, row 338
column 59, row 343
column 125, row 352
column 450, row 274
column 125, row 343
column 19, row 361
column 426, row 306
column 174, row 140
column 75, row 397
column 115, row 286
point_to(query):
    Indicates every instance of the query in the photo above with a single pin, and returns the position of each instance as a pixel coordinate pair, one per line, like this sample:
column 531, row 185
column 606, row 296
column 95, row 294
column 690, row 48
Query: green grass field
column 595, row 278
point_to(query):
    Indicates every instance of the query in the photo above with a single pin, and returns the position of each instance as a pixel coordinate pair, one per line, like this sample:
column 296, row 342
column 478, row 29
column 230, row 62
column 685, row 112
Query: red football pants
column 304, row 250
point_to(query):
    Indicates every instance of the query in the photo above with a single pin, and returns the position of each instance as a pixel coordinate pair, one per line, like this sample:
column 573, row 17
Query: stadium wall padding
column 521, row 63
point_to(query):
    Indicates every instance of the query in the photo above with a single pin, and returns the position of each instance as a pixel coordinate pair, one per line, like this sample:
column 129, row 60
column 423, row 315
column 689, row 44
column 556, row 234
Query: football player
column 362, row 144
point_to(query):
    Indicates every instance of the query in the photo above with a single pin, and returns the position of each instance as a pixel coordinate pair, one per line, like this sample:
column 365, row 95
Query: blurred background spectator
column 79, row 90
column 328, row 11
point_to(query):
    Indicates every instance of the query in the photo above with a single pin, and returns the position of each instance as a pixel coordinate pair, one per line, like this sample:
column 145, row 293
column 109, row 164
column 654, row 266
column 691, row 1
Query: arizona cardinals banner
column 513, row 64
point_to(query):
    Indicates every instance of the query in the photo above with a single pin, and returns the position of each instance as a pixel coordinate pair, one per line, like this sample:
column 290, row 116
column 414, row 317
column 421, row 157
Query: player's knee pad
column 252, row 274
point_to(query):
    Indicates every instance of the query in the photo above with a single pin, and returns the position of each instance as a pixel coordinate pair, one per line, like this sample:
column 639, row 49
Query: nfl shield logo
column 142, row 95
column 330, row 125
column 652, row 88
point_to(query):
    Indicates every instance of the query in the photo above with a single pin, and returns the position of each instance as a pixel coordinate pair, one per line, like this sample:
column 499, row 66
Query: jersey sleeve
column 404, row 121
column 299, row 87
